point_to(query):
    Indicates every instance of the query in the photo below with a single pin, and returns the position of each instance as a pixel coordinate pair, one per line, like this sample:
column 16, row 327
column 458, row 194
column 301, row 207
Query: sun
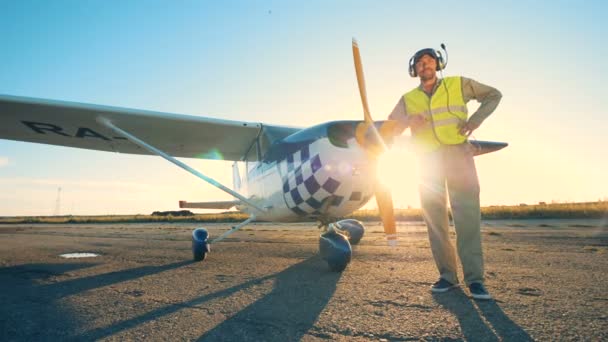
column 398, row 171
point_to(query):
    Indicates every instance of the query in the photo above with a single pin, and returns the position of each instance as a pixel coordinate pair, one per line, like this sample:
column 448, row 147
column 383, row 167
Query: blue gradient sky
column 285, row 63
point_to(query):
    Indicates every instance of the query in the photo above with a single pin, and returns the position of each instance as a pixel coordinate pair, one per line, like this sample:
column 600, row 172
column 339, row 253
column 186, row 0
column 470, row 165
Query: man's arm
column 488, row 97
column 399, row 114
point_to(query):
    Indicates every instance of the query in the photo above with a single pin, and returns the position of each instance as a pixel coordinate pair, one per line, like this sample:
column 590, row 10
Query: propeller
column 375, row 145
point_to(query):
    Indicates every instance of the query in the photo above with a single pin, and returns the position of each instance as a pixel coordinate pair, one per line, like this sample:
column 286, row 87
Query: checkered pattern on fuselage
column 306, row 184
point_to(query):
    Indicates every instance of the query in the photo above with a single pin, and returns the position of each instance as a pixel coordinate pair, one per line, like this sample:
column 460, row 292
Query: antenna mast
column 57, row 203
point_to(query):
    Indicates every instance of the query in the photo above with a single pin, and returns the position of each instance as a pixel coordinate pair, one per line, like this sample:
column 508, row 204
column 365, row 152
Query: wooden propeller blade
column 361, row 81
column 387, row 214
column 375, row 147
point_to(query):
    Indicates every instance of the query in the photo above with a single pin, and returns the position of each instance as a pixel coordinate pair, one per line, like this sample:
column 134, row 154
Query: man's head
column 425, row 63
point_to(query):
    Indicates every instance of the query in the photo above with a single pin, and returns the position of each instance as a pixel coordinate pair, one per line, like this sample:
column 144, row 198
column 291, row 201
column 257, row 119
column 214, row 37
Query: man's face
column 426, row 67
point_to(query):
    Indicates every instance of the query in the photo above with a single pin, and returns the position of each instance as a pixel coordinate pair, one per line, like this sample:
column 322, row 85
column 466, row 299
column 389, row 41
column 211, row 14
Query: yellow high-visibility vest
column 435, row 109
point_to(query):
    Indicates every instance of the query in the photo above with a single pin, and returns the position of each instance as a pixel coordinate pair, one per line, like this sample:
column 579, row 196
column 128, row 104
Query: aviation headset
column 436, row 54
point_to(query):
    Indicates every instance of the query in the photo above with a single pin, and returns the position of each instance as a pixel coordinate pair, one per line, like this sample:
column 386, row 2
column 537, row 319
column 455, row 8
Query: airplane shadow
column 26, row 314
column 285, row 314
column 471, row 323
column 32, row 311
column 71, row 287
column 299, row 295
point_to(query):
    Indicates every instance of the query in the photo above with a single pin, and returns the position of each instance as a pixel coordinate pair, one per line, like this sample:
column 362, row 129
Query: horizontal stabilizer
column 208, row 205
column 479, row 147
column 483, row 147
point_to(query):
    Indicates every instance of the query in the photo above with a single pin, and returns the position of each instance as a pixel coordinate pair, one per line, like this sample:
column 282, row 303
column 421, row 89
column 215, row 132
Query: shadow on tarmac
column 499, row 326
column 26, row 313
column 32, row 311
column 299, row 295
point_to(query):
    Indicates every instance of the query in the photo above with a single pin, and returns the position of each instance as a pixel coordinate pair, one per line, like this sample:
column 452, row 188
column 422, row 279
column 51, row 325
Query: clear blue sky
column 291, row 63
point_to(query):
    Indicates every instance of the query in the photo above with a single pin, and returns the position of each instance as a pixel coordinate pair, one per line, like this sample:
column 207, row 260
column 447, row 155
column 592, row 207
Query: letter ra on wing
column 82, row 132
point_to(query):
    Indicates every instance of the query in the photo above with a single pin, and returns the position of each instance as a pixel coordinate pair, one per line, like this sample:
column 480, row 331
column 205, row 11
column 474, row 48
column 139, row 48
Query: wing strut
column 234, row 229
column 105, row 122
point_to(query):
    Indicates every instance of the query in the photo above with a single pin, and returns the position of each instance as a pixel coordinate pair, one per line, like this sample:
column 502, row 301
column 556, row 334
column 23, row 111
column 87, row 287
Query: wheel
column 335, row 250
column 354, row 228
column 200, row 246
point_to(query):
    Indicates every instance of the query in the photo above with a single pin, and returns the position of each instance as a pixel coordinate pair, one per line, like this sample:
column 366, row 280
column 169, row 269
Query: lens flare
column 397, row 169
column 214, row 154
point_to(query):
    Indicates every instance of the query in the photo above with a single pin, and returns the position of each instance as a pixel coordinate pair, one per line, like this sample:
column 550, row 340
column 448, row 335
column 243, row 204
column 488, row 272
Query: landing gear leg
column 200, row 239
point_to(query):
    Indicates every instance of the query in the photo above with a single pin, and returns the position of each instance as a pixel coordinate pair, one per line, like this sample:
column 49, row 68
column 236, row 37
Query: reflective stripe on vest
column 435, row 109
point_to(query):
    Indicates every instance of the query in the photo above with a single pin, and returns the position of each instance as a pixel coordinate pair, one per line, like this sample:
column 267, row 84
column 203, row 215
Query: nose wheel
column 335, row 249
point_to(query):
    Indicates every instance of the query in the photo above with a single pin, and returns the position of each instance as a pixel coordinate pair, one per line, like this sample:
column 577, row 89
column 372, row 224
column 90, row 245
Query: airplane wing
column 76, row 125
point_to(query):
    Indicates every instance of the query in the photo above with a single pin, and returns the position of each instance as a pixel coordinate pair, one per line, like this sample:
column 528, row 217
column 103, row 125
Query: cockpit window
column 340, row 132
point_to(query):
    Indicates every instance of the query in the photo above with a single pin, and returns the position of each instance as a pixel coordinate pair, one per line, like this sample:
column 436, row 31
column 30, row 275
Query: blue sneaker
column 479, row 292
column 442, row 285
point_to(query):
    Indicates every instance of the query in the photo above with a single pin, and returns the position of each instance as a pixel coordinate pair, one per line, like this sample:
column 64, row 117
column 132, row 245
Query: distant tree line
column 173, row 213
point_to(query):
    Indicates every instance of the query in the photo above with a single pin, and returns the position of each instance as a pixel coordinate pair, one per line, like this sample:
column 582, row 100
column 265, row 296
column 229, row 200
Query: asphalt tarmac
column 267, row 283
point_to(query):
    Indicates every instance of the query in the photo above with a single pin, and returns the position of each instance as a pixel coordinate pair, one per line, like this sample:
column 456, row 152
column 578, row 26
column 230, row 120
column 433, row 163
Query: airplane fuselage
column 314, row 176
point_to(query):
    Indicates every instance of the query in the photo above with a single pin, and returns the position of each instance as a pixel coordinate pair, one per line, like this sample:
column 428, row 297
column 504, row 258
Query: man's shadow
column 471, row 323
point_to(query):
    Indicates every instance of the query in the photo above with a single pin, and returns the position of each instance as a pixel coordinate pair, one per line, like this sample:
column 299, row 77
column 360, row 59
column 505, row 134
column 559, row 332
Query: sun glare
column 398, row 170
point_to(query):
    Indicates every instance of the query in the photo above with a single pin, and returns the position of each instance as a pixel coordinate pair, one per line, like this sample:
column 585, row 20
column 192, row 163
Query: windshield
column 340, row 132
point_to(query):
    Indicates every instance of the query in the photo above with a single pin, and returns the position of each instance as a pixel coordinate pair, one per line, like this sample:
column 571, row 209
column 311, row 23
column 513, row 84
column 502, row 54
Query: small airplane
column 324, row 172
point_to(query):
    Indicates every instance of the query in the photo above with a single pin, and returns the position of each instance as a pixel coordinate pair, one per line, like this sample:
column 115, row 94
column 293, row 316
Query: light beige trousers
column 451, row 170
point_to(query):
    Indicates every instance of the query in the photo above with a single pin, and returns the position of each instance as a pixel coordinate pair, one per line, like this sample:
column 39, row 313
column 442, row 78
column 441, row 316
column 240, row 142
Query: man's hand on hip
column 466, row 128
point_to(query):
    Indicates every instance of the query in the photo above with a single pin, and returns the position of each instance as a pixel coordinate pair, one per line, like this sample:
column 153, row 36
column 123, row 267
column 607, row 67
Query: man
column 436, row 114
